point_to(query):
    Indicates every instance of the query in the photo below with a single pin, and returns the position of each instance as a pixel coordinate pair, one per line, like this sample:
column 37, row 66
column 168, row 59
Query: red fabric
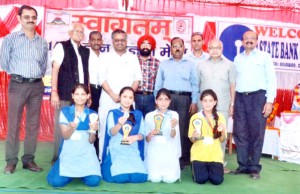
column 149, row 38
column 209, row 33
column 283, row 11
column 9, row 23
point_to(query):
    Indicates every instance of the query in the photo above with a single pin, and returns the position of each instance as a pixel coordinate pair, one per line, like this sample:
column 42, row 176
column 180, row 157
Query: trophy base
column 125, row 142
column 158, row 133
column 199, row 138
column 91, row 131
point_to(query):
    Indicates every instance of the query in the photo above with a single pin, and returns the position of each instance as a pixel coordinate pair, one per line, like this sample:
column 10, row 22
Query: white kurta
column 118, row 71
column 162, row 153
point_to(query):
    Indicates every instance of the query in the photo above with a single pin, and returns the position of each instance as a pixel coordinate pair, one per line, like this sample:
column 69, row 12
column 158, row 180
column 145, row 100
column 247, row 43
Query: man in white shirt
column 69, row 67
column 119, row 68
column 95, row 42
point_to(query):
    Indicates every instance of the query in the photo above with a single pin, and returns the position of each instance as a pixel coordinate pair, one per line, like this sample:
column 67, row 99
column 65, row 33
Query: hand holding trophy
column 126, row 128
column 197, row 123
column 158, row 120
column 93, row 120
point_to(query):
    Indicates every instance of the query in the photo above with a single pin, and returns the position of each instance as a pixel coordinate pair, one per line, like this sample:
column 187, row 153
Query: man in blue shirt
column 179, row 75
column 255, row 93
column 24, row 57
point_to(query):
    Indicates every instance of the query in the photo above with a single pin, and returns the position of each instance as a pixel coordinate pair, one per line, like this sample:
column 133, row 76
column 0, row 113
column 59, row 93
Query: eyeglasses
column 215, row 48
column 78, row 32
column 197, row 33
column 27, row 17
column 177, row 46
column 119, row 40
column 250, row 38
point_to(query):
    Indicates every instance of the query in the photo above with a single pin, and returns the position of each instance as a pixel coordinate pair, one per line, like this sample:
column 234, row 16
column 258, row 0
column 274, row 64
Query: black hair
column 118, row 31
column 93, row 33
column 20, row 11
column 131, row 116
column 175, row 38
column 211, row 93
column 163, row 91
column 83, row 86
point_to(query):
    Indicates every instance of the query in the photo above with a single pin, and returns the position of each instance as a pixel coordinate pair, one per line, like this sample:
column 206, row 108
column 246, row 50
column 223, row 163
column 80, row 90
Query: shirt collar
column 74, row 44
column 254, row 51
column 22, row 33
column 183, row 59
column 220, row 59
column 72, row 109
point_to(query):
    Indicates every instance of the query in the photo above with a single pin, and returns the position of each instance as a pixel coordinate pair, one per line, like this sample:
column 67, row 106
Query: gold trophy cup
column 126, row 128
column 197, row 123
column 158, row 120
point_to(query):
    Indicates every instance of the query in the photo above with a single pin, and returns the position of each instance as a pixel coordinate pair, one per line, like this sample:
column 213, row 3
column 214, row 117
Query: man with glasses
column 197, row 54
column 119, row 68
column 255, row 92
column 218, row 73
column 69, row 67
column 24, row 57
column 179, row 75
column 95, row 42
column 149, row 65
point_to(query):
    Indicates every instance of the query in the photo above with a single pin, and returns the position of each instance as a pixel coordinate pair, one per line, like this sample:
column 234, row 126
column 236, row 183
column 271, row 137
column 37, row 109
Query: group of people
column 151, row 119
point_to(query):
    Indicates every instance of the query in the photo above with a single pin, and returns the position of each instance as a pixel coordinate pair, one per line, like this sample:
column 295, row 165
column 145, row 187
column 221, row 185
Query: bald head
column 215, row 49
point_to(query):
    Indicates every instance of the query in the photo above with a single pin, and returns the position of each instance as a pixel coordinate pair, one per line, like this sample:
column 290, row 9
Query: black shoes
column 32, row 166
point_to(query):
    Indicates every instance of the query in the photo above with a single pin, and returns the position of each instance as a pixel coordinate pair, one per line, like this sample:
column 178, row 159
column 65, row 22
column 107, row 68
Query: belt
column 181, row 93
column 251, row 93
column 145, row 93
column 95, row 86
column 20, row 79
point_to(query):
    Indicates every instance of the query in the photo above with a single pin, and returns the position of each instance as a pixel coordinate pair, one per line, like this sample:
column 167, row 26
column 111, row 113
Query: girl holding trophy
column 77, row 157
column 207, row 130
column 123, row 149
column 163, row 148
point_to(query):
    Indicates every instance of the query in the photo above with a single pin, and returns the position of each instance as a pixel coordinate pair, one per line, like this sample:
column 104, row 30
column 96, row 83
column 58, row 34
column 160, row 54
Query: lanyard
column 208, row 122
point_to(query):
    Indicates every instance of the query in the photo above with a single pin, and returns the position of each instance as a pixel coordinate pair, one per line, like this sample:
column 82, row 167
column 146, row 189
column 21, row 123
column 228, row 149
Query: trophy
column 76, row 119
column 158, row 120
column 93, row 119
column 126, row 128
column 197, row 123
column 126, row 115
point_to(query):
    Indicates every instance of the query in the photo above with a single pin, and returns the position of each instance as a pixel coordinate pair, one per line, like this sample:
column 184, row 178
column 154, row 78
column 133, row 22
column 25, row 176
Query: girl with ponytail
column 207, row 130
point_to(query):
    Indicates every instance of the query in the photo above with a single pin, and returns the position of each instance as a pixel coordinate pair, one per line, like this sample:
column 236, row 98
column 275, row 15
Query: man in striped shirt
column 24, row 57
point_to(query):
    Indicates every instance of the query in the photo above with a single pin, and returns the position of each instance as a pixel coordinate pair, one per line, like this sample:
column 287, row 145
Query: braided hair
column 211, row 93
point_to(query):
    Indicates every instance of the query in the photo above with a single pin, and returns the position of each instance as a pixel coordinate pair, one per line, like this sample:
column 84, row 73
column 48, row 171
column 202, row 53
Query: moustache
column 145, row 49
column 249, row 42
column 30, row 22
column 177, row 50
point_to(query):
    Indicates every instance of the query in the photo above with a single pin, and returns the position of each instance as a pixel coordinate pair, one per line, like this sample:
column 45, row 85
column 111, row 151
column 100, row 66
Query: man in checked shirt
column 149, row 65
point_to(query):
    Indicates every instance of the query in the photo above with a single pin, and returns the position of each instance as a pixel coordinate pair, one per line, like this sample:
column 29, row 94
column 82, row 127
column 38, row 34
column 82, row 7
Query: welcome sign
column 281, row 42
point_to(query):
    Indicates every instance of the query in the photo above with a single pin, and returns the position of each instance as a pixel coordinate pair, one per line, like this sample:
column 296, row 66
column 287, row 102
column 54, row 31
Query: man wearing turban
column 149, row 66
